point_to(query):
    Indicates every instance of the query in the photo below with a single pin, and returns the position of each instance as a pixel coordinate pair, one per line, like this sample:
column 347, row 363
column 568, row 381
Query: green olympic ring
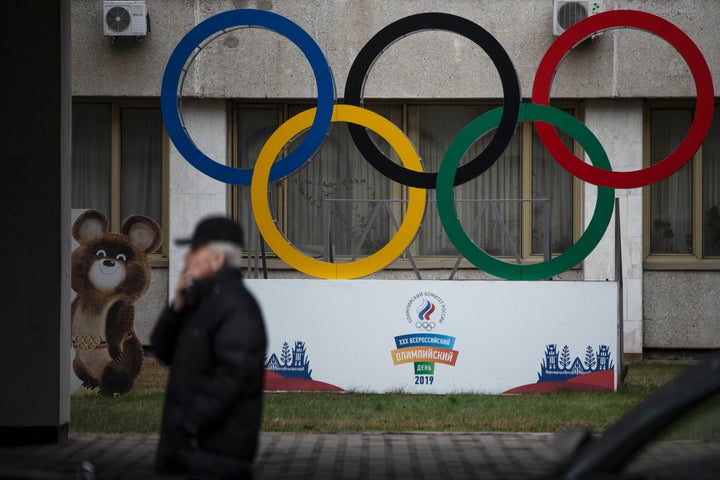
column 478, row 257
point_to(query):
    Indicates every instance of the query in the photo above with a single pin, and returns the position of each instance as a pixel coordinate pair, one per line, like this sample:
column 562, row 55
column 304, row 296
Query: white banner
column 439, row 336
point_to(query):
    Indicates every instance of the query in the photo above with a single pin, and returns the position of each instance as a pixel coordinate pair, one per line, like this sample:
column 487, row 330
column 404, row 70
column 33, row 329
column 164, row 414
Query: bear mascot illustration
column 110, row 271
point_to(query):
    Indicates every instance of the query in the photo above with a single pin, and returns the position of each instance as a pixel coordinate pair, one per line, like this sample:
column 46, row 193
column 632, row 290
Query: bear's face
column 110, row 262
column 113, row 263
column 108, row 271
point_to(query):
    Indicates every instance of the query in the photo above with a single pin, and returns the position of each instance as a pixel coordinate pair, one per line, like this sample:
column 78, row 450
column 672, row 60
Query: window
column 489, row 206
column 118, row 161
column 340, row 183
column 340, row 196
column 683, row 221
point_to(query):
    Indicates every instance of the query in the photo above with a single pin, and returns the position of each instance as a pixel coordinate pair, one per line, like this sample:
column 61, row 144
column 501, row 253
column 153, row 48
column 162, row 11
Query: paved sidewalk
column 291, row 456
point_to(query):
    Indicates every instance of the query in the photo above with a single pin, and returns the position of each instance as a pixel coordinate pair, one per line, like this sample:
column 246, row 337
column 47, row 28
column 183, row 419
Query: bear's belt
column 93, row 342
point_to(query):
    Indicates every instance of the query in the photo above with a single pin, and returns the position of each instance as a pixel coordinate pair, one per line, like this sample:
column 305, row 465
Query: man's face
column 202, row 262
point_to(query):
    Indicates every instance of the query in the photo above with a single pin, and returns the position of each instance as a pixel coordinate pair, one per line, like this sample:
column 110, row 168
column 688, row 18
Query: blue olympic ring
column 176, row 67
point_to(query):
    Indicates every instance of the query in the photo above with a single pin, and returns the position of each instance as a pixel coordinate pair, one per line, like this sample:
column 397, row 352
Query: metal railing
column 256, row 247
column 385, row 205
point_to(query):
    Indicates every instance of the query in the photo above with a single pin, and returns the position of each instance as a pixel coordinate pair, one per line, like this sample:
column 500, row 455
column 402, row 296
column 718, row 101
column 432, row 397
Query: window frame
column 679, row 261
column 160, row 257
column 429, row 261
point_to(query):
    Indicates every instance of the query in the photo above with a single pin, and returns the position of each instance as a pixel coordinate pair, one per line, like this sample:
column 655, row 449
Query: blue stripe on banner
column 424, row 340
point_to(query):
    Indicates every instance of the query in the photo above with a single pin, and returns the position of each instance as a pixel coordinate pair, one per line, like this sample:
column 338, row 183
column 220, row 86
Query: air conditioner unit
column 567, row 13
column 124, row 19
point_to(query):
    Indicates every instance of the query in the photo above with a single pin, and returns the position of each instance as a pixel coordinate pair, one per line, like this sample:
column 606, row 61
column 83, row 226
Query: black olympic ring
column 382, row 40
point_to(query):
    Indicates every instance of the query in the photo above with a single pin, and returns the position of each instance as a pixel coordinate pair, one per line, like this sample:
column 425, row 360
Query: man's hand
column 179, row 301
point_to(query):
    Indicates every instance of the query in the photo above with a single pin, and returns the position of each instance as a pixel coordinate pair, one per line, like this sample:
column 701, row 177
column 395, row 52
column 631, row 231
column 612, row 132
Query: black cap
column 214, row 229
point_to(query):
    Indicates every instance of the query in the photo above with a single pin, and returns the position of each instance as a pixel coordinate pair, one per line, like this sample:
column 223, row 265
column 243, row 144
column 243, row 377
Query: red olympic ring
column 684, row 46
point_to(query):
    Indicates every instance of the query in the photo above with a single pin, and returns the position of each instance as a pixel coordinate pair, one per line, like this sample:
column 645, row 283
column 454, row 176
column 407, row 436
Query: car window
column 689, row 448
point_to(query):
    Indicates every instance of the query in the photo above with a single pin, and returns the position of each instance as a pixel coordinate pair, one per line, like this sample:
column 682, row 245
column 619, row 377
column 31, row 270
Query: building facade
column 631, row 88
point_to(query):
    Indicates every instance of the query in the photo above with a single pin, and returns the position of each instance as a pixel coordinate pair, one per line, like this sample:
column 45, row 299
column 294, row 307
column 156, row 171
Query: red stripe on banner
column 277, row 383
column 596, row 381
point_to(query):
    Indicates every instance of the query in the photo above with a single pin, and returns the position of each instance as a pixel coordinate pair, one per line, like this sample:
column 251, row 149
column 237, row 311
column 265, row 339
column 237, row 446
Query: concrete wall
column 681, row 309
column 149, row 306
column 255, row 63
column 193, row 194
column 618, row 124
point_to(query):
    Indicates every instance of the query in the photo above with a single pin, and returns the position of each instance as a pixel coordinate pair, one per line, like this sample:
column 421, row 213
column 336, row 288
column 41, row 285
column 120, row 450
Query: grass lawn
column 140, row 410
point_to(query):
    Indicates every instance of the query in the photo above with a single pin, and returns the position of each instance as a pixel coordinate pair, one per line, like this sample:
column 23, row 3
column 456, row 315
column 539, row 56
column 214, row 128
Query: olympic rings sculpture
column 317, row 121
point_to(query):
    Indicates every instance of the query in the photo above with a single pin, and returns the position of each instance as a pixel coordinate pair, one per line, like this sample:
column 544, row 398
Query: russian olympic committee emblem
column 424, row 312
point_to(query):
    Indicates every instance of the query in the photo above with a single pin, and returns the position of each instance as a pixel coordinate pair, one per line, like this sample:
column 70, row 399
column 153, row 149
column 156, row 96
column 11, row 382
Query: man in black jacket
column 213, row 338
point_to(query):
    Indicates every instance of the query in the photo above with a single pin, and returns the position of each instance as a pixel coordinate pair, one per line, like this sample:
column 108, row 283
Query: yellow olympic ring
column 277, row 241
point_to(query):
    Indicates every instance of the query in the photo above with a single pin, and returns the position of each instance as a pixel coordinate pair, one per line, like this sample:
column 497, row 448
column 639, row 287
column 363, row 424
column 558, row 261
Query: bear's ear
column 143, row 231
column 90, row 224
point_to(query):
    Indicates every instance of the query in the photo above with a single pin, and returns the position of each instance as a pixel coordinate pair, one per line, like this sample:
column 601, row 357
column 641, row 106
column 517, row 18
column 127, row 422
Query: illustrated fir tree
column 590, row 361
column 564, row 360
column 285, row 355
